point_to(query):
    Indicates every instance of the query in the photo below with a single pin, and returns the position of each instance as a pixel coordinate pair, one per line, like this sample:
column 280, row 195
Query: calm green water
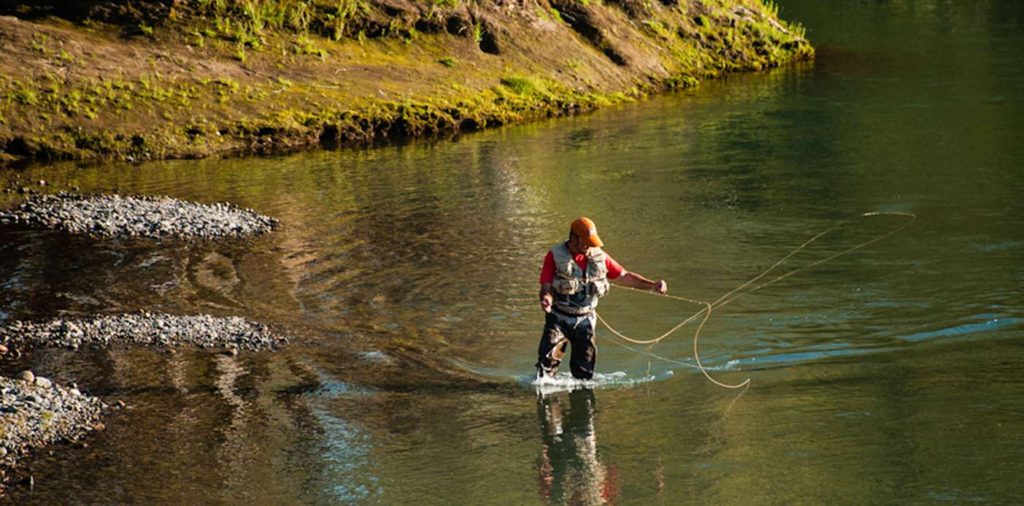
column 407, row 277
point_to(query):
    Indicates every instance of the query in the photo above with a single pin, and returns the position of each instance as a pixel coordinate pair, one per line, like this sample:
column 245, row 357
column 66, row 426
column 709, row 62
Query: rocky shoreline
column 34, row 413
column 144, row 328
column 115, row 216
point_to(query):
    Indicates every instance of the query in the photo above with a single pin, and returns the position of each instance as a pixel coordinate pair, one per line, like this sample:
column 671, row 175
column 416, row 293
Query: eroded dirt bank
column 192, row 78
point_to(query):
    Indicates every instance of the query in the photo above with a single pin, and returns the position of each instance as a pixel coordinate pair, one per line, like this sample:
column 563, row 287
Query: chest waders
column 572, row 319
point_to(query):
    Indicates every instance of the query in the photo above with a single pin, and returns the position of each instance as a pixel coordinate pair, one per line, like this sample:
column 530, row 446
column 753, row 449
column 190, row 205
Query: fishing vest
column 576, row 290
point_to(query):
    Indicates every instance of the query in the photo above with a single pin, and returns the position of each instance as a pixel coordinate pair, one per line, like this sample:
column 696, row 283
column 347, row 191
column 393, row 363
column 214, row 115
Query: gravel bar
column 144, row 328
column 114, row 216
column 34, row 412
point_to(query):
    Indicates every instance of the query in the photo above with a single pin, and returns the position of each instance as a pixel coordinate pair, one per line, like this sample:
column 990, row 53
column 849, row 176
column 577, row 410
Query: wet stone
column 34, row 416
column 151, row 329
column 115, row 216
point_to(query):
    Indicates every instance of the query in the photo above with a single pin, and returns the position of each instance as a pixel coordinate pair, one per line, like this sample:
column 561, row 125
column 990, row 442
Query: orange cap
column 585, row 229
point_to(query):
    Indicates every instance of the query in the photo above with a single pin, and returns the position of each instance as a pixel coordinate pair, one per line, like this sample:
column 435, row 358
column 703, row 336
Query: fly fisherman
column 574, row 276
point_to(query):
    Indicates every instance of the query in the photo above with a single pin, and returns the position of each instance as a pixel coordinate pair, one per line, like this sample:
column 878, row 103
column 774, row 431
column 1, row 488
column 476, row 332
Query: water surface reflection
column 570, row 469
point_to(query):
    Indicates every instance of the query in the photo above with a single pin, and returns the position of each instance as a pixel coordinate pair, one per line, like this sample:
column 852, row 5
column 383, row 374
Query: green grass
column 26, row 96
column 247, row 21
column 521, row 85
column 64, row 58
column 305, row 46
column 38, row 44
column 478, row 32
column 658, row 29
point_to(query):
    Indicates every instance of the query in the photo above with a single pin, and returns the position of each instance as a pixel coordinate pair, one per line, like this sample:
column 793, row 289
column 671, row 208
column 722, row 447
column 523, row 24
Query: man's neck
column 573, row 251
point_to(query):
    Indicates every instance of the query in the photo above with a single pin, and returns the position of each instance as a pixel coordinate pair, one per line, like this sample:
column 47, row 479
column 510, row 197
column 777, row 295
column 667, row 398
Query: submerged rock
column 137, row 216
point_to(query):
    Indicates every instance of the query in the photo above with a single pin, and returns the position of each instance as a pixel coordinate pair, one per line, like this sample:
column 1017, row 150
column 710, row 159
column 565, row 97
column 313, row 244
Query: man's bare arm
column 634, row 280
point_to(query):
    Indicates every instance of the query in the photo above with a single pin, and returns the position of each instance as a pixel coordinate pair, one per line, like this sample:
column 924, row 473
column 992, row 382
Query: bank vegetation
column 147, row 79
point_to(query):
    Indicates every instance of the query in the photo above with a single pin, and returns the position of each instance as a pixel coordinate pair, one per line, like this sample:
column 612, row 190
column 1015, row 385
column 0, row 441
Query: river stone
column 32, row 416
column 43, row 382
column 152, row 329
column 114, row 216
column 27, row 376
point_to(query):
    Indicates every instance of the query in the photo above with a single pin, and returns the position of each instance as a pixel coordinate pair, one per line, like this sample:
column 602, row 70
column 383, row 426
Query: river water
column 407, row 278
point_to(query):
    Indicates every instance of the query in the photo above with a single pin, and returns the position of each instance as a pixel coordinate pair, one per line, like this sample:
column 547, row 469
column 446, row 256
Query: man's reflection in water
column 570, row 471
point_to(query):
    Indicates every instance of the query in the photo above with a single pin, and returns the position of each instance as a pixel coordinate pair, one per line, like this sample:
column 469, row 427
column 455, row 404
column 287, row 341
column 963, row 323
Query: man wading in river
column 574, row 276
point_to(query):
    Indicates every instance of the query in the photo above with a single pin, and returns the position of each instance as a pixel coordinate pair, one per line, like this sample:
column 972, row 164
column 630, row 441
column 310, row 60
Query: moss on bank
column 145, row 80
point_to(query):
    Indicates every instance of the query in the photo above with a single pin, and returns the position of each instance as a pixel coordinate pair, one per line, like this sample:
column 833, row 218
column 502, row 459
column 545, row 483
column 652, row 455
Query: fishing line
column 750, row 286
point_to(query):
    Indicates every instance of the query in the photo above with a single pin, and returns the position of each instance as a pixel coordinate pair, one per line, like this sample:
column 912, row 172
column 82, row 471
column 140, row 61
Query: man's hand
column 545, row 302
column 661, row 287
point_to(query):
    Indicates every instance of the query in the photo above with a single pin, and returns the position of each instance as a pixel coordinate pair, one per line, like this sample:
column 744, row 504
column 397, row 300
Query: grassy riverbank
column 161, row 79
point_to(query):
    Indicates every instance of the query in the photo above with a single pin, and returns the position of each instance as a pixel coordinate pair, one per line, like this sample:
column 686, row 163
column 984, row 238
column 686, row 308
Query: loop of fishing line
column 746, row 288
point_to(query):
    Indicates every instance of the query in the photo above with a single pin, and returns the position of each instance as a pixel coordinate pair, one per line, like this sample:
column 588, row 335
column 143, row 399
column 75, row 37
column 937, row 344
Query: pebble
column 3, row 349
column 43, row 382
column 27, row 376
column 115, row 216
column 153, row 329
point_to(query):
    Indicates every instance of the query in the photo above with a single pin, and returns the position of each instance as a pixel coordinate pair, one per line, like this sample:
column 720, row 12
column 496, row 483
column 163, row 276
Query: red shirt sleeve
column 547, row 271
column 614, row 268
